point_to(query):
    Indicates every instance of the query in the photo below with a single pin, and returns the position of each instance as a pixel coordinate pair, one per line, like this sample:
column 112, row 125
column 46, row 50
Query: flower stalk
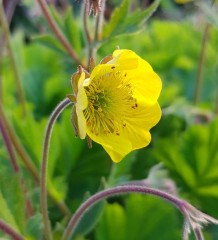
column 192, row 215
column 10, row 231
column 44, row 166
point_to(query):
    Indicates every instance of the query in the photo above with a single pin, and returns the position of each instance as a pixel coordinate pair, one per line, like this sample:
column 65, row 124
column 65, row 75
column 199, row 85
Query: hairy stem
column 44, row 166
column 6, row 34
column 111, row 192
column 10, row 231
column 53, row 25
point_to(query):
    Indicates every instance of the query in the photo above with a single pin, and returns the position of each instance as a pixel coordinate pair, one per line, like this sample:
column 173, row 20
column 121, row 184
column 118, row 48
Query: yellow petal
column 139, row 123
column 81, row 123
column 147, row 84
column 116, row 146
column 124, row 59
column 81, row 104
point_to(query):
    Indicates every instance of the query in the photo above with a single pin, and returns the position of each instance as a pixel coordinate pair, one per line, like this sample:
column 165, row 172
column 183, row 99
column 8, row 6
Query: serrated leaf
column 118, row 15
column 193, row 159
column 132, row 22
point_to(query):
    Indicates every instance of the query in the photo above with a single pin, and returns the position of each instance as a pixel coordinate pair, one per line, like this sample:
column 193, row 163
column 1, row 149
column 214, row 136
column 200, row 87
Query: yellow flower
column 116, row 105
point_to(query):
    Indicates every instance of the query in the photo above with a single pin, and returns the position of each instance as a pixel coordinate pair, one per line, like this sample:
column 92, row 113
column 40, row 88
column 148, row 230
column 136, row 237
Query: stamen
column 110, row 102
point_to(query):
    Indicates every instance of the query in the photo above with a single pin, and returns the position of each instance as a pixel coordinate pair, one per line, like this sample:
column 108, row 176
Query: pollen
column 110, row 103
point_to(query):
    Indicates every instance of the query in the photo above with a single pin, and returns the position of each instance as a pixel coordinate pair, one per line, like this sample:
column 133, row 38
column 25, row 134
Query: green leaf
column 134, row 21
column 147, row 214
column 6, row 213
column 131, row 23
column 12, row 201
column 72, row 30
column 193, row 159
column 50, row 41
column 34, row 227
column 118, row 15
column 113, row 223
column 139, row 219
column 90, row 219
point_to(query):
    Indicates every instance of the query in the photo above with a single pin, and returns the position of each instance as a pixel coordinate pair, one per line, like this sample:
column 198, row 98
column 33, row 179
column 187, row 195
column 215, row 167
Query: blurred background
column 180, row 41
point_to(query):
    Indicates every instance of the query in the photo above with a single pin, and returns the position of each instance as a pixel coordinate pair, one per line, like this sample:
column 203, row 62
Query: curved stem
column 111, row 192
column 43, row 176
column 10, row 231
column 53, row 25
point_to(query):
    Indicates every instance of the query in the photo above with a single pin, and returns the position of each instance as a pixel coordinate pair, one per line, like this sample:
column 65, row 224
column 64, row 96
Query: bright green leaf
column 118, row 16
column 113, row 223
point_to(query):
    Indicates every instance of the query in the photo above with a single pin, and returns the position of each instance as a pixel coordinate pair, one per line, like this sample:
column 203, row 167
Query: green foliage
column 184, row 142
column 192, row 160
column 123, row 22
column 69, row 26
column 11, row 198
column 121, row 223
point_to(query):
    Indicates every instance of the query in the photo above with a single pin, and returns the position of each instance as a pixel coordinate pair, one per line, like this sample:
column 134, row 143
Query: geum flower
column 116, row 105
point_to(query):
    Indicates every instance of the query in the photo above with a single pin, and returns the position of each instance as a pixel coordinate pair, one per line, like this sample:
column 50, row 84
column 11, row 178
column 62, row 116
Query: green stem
column 6, row 32
column 112, row 192
column 198, row 85
column 53, row 25
column 10, row 231
column 44, row 166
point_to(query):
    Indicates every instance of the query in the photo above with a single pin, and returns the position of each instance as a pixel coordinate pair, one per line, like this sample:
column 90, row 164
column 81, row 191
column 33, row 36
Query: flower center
column 110, row 103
